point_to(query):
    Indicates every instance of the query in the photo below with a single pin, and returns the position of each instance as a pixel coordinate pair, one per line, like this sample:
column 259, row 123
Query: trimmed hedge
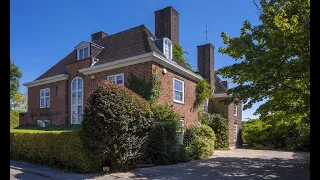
column 116, row 122
column 199, row 141
column 59, row 149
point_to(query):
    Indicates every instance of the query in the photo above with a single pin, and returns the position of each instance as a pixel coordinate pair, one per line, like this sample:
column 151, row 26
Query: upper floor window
column 167, row 48
column 45, row 98
column 178, row 91
column 117, row 79
column 83, row 50
column 235, row 110
column 83, row 53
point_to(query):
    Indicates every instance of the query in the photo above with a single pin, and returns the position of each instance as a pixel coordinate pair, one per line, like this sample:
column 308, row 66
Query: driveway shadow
column 227, row 168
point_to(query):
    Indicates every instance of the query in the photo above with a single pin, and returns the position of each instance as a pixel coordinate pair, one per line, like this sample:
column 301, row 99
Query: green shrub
column 156, row 150
column 199, row 142
column 60, row 149
column 163, row 146
column 116, row 122
column 219, row 125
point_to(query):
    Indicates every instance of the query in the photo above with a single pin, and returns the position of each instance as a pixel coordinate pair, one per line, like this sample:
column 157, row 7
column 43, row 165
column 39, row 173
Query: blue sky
column 41, row 33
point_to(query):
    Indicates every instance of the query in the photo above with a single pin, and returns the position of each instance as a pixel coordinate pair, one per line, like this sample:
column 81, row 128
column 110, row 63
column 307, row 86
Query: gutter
column 59, row 77
column 151, row 56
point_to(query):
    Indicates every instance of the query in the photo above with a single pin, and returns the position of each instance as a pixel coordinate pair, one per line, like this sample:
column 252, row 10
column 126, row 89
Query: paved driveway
column 236, row 164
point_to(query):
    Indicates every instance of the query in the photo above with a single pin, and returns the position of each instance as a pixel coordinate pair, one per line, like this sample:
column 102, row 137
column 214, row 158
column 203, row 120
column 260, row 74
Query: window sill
column 178, row 102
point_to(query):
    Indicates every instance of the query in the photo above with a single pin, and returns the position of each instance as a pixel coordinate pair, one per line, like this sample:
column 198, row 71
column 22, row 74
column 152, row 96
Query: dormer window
column 83, row 50
column 83, row 53
column 167, row 48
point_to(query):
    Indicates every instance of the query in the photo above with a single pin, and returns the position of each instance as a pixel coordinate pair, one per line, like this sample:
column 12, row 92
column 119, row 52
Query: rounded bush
column 116, row 122
column 219, row 125
column 199, row 141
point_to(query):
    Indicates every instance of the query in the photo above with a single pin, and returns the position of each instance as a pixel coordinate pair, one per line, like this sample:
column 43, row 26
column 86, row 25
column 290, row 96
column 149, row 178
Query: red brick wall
column 141, row 70
column 185, row 110
column 57, row 111
column 238, row 120
column 167, row 24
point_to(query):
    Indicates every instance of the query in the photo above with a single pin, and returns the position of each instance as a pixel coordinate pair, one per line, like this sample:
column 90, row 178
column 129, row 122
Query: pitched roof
column 131, row 42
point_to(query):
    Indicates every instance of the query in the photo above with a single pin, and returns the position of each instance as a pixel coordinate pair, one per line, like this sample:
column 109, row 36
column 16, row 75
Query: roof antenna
column 206, row 31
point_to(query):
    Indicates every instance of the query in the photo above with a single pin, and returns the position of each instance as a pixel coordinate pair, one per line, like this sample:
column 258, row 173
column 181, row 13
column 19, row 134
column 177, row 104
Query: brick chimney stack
column 206, row 62
column 98, row 35
column 167, row 24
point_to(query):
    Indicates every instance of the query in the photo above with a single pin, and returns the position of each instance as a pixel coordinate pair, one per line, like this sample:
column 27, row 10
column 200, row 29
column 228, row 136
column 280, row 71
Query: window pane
column 42, row 93
column 112, row 78
column 74, row 85
column 177, row 85
column 120, row 79
column 79, row 114
column 86, row 52
column 57, row 91
column 74, row 115
column 47, row 102
column 178, row 96
column 81, row 54
column 47, row 92
column 79, row 84
column 80, row 97
column 74, row 98
column 41, row 102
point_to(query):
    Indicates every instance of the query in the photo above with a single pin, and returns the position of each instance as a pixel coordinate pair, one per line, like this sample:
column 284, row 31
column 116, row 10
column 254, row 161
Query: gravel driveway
column 234, row 164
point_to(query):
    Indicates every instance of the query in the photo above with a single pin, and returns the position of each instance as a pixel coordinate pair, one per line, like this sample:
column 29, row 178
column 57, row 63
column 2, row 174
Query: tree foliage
column 18, row 101
column 274, row 59
column 278, row 131
column 15, row 75
column 178, row 52
column 203, row 92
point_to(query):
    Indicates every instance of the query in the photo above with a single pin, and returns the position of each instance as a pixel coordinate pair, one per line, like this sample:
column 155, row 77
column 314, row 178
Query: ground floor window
column 235, row 130
column 76, row 100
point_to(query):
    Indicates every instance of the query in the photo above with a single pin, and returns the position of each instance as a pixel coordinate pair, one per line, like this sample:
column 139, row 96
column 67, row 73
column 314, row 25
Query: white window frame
column 235, row 110
column 235, row 134
column 78, row 104
column 83, row 47
column 206, row 105
column 174, row 100
column 44, row 97
column 169, row 47
column 115, row 76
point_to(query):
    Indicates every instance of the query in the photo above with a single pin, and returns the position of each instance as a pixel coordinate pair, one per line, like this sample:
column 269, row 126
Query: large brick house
column 58, row 96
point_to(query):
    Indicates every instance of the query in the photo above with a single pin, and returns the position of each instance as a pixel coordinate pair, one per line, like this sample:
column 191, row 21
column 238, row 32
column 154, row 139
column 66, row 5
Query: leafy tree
column 15, row 75
column 274, row 59
column 17, row 100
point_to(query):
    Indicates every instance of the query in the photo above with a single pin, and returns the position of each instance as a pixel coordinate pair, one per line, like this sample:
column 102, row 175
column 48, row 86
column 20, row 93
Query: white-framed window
column 83, row 53
column 235, row 131
column 167, row 48
column 178, row 91
column 206, row 104
column 76, row 100
column 180, row 131
column 235, row 109
column 117, row 79
column 44, row 98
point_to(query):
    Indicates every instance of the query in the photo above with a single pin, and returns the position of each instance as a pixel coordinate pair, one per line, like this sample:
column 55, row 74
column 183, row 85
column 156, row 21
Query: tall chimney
column 167, row 24
column 206, row 62
column 98, row 35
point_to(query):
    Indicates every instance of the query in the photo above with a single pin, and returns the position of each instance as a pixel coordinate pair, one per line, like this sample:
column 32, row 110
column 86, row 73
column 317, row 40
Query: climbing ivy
column 178, row 52
column 203, row 91
column 150, row 91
